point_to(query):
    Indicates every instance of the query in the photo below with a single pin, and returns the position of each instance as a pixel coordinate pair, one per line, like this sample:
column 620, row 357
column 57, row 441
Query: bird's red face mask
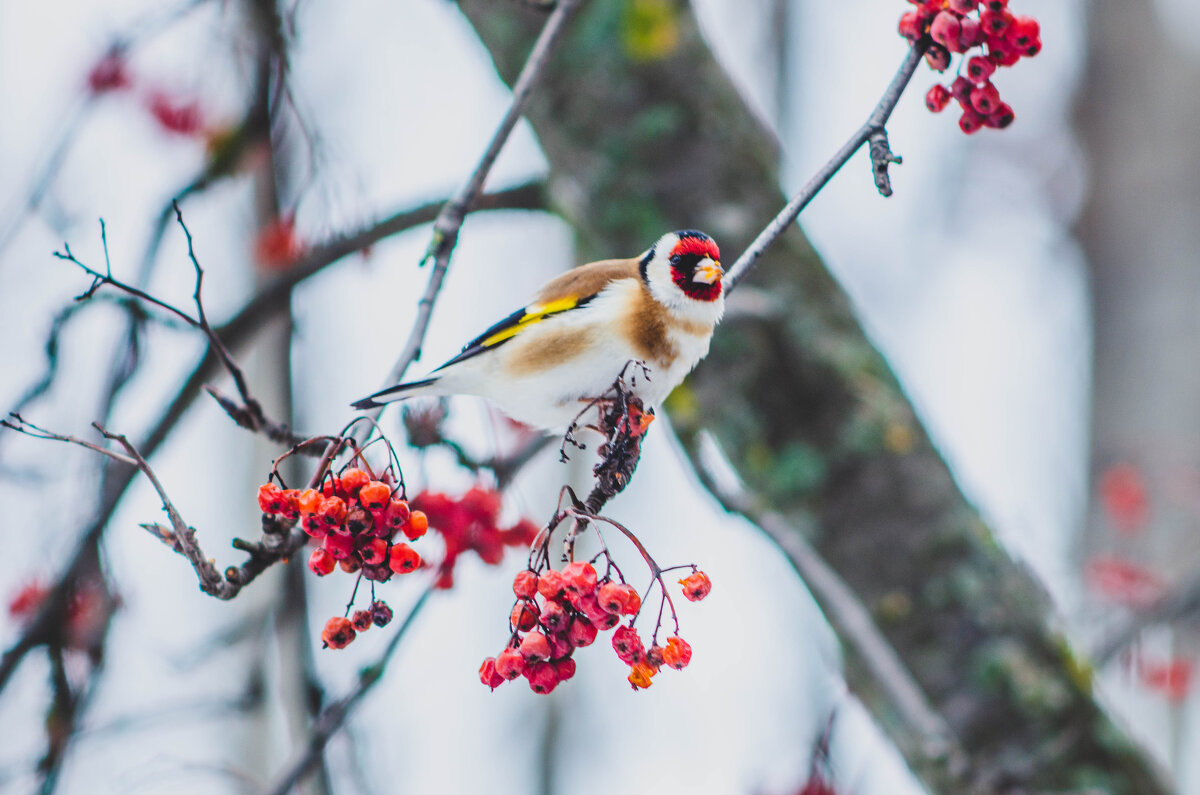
column 696, row 267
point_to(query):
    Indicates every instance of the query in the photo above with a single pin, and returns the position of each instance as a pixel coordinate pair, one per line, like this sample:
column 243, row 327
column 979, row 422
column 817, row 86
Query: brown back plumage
column 587, row 279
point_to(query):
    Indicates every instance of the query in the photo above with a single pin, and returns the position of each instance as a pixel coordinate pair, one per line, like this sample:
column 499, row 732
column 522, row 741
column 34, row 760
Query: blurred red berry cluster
column 355, row 518
column 88, row 609
column 470, row 523
column 557, row 612
column 960, row 26
column 278, row 245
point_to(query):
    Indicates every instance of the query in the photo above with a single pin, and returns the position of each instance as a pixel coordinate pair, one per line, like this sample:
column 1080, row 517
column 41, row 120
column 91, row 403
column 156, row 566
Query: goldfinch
column 544, row 363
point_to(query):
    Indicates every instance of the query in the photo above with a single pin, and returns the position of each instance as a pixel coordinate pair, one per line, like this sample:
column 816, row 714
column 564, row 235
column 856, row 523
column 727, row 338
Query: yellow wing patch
column 532, row 315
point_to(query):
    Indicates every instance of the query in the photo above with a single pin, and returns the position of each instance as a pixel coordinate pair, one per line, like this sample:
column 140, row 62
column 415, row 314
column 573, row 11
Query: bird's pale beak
column 708, row 271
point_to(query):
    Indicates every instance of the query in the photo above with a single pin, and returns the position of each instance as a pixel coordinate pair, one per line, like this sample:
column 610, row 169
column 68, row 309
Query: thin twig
column 334, row 716
column 450, row 218
column 1170, row 608
column 881, row 155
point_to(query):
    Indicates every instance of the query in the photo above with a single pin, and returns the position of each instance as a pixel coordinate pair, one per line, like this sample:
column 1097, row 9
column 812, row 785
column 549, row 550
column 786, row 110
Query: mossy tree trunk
column 644, row 133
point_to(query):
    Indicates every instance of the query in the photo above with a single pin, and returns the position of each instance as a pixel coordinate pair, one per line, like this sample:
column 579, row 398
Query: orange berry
column 696, row 586
column 338, row 633
column 640, row 675
column 403, row 559
column 677, row 654
column 416, row 525
column 374, row 494
column 308, row 501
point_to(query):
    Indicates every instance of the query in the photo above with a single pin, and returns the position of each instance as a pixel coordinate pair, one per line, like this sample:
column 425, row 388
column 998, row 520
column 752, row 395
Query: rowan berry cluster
column 958, row 27
column 470, row 523
column 355, row 519
column 557, row 612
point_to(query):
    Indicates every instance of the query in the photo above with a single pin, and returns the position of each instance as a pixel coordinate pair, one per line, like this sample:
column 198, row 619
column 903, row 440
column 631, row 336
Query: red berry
column 631, row 601
column 946, row 29
column 628, row 645
column 937, row 98
column 995, row 5
column 378, row 572
column 320, row 562
column 985, row 98
column 403, row 559
column 181, row 118
column 397, row 514
column 564, row 668
column 270, row 498
column 350, row 564
column 1001, row 117
column 416, row 525
column 579, row 578
column 611, row 597
column 560, row 646
column 374, row 494
column 510, row 663
column 359, row 521
column 361, row 620
column 995, row 23
column 338, row 633
column 488, row 674
column 1023, row 31
column 535, row 647
column 912, row 25
column 551, row 584
column 110, row 73
column 542, row 677
column 554, row 618
column 678, row 653
column 26, row 601
column 308, row 501
column 381, row 613
column 970, row 121
column 354, row 479
column 340, row 545
column 524, row 617
column 971, row 35
column 525, row 584
column 374, row 551
column 964, row 6
column 333, row 511
column 1033, row 48
column 581, row 632
column 961, row 89
column 696, row 586
column 980, row 69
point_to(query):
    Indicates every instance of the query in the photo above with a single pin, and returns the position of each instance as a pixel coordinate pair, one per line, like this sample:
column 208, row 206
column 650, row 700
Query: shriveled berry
column 320, row 562
column 403, row 559
column 510, row 664
column 677, row 653
column 338, row 633
column 374, row 494
column 525, row 584
column 361, row 619
column 524, row 617
column 938, row 57
column 535, row 647
column 551, row 585
column 581, row 632
column 381, row 613
column 416, row 525
column 378, row 572
column 961, row 89
column 488, row 674
column 640, row 675
column 628, row 645
column 350, row 564
column 359, row 521
column 696, row 586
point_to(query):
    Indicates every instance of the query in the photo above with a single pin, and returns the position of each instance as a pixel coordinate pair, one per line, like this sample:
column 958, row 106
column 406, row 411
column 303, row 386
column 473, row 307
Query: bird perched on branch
column 542, row 364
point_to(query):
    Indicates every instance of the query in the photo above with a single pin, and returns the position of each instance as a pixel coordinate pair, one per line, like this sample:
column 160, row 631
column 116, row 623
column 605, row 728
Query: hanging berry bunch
column 356, row 520
column 997, row 36
column 557, row 612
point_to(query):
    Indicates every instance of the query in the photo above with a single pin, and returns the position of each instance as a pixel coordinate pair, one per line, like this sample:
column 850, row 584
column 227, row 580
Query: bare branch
column 450, row 218
column 881, row 156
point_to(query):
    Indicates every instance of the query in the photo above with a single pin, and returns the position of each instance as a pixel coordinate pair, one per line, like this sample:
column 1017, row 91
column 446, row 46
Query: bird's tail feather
column 393, row 393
